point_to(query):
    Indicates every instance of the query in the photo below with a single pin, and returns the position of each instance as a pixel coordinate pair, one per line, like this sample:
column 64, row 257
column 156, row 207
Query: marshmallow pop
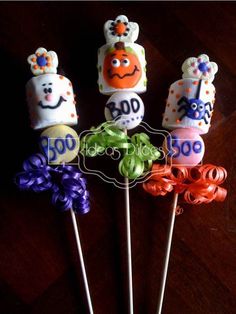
column 122, row 73
column 189, row 110
column 188, row 113
column 122, row 76
column 51, row 105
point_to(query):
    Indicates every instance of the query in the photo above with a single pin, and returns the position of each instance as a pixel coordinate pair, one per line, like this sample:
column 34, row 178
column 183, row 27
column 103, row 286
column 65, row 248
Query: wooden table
column 39, row 269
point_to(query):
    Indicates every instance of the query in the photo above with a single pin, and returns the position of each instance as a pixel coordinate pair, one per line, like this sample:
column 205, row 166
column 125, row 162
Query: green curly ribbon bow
column 139, row 153
column 102, row 137
column 139, row 157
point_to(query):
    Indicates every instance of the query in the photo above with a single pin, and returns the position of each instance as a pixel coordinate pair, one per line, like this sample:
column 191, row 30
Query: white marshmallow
column 50, row 100
column 186, row 109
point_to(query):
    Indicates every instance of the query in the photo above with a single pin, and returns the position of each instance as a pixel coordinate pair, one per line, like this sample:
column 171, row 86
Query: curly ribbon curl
column 131, row 166
column 199, row 184
column 139, row 157
column 36, row 175
column 139, row 153
column 102, row 137
column 204, row 184
column 66, row 183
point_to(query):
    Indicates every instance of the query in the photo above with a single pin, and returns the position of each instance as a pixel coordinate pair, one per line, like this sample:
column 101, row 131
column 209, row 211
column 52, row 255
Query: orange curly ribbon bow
column 199, row 184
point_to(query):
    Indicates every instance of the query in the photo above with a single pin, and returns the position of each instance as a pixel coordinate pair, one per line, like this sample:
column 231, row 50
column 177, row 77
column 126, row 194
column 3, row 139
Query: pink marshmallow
column 184, row 147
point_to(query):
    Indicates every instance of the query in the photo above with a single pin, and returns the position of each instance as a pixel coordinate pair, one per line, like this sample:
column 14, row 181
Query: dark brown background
column 39, row 268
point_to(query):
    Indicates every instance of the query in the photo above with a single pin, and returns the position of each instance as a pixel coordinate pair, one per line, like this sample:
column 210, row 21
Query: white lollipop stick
column 129, row 247
column 167, row 254
column 79, row 248
column 129, row 251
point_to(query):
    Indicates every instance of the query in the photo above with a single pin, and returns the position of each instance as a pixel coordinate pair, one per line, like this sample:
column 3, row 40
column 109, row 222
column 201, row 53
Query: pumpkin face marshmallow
column 121, row 68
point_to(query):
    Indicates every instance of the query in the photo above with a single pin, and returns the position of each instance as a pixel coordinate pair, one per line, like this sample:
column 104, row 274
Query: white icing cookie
column 60, row 144
column 200, row 68
column 121, row 67
column 43, row 61
column 126, row 108
column 189, row 105
column 51, row 101
column 121, row 30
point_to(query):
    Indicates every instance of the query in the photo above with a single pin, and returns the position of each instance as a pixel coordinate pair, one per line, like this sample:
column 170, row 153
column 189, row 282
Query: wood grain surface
column 39, row 267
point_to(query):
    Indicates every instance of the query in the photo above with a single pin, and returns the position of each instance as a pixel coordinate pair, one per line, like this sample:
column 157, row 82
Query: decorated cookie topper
column 43, row 61
column 200, row 68
column 121, row 30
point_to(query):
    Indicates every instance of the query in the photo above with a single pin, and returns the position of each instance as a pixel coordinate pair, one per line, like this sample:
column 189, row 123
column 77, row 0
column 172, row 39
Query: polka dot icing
column 121, row 29
column 43, row 61
column 188, row 104
column 199, row 68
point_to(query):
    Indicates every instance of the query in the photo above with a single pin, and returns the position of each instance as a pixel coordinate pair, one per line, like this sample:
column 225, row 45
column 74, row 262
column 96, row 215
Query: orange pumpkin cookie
column 121, row 68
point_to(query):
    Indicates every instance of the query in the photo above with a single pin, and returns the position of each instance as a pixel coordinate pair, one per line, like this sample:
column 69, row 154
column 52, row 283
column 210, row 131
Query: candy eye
column 115, row 63
column 125, row 62
column 194, row 106
column 200, row 107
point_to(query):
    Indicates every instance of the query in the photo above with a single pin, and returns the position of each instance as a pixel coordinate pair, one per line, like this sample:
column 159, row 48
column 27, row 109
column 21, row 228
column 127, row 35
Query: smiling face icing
column 50, row 99
column 122, row 68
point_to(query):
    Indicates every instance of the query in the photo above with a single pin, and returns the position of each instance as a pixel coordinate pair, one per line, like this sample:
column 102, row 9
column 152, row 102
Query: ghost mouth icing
column 111, row 75
column 61, row 99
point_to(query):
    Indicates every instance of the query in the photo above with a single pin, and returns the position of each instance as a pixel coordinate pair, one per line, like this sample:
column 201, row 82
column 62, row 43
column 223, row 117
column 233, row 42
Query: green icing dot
column 142, row 51
column 129, row 49
column 109, row 50
column 100, row 87
column 145, row 69
column 100, row 69
column 145, row 83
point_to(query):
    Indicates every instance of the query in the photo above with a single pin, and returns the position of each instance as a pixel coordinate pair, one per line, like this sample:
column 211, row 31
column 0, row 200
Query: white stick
column 167, row 255
column 129, row 254
column 76, row 231
column 129, row 249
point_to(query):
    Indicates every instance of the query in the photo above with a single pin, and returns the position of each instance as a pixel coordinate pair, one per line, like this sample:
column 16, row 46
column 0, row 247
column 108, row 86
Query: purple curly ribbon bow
column 66, row 183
